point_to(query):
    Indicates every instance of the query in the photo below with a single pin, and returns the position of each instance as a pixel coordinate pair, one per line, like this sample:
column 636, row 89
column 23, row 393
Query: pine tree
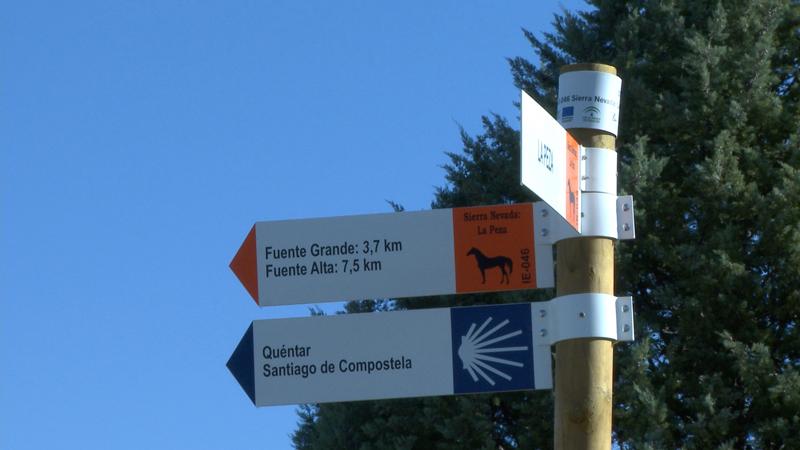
column 709, row 146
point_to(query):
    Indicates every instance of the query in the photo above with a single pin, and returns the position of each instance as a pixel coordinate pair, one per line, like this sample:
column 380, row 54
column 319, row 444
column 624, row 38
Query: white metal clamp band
column 598, row 214
column 589, row 315
column 551, row 227
column 598, row 170
column 576, row 316
column 607, row 215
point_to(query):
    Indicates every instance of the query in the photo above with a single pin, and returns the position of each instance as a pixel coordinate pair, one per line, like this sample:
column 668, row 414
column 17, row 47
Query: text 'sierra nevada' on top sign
column 589, row 99
column 405, row 254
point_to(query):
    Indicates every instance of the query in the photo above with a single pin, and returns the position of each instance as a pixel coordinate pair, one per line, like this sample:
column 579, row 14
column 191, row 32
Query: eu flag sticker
column 492, row 348
column 567, row 113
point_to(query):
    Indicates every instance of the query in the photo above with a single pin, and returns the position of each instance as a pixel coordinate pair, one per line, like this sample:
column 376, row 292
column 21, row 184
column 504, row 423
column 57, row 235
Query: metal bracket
column 549, row 226
column 626, row 227
column 596, row 221
column 545, row 270
column 577, row 316
column 589, row 315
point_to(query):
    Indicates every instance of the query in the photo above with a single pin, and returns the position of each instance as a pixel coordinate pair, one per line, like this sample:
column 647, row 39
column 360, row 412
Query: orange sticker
column 494, row 248
column 573, row 197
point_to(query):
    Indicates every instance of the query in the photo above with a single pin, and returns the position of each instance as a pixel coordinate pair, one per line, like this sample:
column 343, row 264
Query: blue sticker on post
column 492, row 348
column 567, row 113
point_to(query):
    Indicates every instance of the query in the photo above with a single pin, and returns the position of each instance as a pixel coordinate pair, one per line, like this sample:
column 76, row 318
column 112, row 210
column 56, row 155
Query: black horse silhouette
column 573, row 207
column 485, row 262
column 571, row 195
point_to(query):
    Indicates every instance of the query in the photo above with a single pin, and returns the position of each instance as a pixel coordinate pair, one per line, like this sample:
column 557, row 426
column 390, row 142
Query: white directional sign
column 550, row 161
column 408, row 254
column 396, row 354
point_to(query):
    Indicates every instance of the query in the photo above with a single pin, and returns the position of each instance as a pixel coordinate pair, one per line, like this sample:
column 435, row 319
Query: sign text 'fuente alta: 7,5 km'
column 404, row 254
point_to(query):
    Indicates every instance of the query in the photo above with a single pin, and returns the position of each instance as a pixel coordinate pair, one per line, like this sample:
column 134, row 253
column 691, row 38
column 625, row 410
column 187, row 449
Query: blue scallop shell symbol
column 492, row 348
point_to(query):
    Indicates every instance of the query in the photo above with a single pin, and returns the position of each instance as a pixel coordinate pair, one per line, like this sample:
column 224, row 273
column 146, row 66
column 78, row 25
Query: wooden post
column 584, row 367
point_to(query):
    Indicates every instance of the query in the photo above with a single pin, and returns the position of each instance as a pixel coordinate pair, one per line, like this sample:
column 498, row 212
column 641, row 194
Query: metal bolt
column 626, row 207
column 582, row 314
column 542, row 313
column 625, row 308
column 545, row 232
column 626, row 227
column 544, row 213
column 543, row 333
column 626, row 328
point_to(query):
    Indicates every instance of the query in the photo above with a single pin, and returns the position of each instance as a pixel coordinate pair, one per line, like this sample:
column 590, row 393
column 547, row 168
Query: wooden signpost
column 583, row 367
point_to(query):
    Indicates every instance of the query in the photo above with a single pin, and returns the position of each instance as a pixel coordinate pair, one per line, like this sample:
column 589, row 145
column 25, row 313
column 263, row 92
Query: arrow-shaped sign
column 442, row 351
column 550, row 161
column 406, row 254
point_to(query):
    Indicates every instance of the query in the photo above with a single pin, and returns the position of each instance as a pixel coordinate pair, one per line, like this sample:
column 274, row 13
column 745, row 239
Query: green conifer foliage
column 709, row 146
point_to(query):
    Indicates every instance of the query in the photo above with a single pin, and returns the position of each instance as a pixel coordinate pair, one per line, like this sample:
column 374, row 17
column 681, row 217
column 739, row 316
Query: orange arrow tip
column 244, row 264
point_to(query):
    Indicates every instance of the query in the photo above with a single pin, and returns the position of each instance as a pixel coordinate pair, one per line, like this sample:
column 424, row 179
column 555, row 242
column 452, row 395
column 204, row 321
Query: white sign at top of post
column 550, row 161
column 589, row 99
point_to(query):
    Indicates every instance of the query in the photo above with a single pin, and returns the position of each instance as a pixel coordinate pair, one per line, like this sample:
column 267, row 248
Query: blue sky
column 139, row 141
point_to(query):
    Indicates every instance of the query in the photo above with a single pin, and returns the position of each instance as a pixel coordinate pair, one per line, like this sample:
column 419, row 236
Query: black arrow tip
column 242, row 365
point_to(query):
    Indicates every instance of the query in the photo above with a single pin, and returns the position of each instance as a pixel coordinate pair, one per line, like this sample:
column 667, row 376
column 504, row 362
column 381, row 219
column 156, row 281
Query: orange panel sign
column 494, row 248
column 573, row 194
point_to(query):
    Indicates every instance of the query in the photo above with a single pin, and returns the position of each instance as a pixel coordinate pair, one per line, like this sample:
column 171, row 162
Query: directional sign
column 408, row 254
column 550, row 161
column 416, row 353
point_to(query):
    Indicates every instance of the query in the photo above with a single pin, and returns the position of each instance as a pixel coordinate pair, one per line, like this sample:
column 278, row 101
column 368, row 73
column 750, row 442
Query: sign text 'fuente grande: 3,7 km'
column 405, row 254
